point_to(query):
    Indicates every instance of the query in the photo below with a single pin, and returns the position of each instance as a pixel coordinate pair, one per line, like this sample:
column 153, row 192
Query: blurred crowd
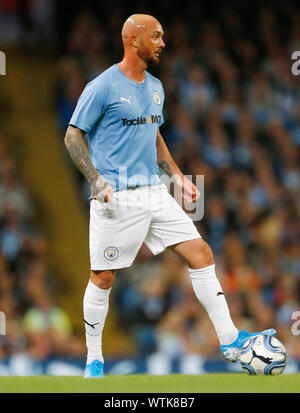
column 232, row 114
column 36, row 326
column 26, row 22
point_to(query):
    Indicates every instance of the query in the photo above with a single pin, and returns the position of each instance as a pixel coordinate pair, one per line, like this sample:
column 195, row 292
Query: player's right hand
column 101, row 190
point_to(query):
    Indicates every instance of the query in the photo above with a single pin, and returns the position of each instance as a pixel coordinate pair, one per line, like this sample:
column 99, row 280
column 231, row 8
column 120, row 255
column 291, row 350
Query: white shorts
column 146, row 214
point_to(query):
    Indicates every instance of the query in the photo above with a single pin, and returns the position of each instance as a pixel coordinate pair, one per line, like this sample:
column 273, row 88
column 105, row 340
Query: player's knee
column 201, row 255
column 103, row 279
column 207, row 253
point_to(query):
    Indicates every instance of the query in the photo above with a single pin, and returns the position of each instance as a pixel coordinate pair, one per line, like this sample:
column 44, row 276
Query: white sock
column 95, row 308
column 206, row 287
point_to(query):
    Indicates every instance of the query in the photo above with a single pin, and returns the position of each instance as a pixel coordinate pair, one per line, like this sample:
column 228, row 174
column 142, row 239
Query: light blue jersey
column 121, row 118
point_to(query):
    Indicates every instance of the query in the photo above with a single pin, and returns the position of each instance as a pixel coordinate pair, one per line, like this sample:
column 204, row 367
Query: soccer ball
column 263, row 355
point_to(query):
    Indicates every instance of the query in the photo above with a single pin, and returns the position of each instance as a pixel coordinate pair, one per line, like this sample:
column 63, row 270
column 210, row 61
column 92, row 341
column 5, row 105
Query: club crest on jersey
column 111, row 253
column 156, row 97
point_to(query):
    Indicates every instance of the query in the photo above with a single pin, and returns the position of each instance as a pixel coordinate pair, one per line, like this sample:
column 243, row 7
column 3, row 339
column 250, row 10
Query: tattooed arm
column 168, row 165
column 164, row 159
column 79, row 153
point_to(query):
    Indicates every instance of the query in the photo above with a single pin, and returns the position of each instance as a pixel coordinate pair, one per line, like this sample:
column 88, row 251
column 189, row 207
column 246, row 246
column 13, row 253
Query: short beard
column 153, row 62
column 143, row 54
column 148, row 60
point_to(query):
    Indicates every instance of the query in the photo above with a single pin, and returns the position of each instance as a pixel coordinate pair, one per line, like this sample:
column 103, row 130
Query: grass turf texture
column 208, row 383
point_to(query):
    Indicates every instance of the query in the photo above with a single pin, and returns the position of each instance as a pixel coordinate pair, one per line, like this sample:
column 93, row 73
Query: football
column 263, row 355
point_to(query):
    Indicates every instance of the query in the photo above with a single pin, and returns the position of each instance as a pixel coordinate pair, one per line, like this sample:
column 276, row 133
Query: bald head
column 142, row 37
column 137, row 24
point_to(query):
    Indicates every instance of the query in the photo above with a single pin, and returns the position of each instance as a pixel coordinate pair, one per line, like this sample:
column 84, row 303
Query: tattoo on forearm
column 80, row 156
column 164, row 165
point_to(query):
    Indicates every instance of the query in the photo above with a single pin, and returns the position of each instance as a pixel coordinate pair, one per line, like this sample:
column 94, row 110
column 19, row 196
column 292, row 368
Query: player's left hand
column 189, row 191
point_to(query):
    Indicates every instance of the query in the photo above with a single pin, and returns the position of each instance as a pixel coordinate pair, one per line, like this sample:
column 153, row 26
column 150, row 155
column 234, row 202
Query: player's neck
column 134, row 69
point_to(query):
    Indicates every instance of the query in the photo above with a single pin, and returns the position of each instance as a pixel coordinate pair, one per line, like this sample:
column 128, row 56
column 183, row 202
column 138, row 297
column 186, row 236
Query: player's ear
column 133, row 40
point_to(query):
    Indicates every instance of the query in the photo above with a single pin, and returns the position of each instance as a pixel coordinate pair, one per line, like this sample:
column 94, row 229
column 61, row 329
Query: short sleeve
column 91, row 105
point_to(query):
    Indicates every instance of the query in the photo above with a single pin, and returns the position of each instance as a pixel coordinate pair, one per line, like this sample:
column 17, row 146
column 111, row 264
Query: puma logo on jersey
column 126, row 100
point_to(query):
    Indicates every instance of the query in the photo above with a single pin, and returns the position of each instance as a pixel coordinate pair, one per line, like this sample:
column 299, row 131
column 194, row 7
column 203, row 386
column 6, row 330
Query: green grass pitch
column 176, row 383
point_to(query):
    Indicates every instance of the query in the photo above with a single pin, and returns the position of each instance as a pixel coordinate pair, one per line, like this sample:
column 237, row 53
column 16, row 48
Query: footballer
column 121, row 111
